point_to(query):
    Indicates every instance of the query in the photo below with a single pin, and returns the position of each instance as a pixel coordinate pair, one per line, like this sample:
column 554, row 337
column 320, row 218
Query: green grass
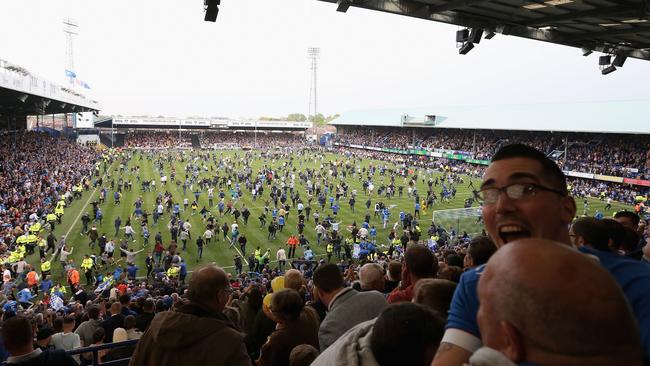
column 219, row 252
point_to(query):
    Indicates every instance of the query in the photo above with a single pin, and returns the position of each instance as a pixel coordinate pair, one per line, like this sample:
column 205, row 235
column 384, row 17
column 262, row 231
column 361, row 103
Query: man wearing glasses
column 524, row 195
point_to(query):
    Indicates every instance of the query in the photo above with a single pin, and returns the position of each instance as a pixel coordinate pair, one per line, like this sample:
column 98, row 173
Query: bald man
column 524, row 195
column 543, row 303
column 197, row 333
column 371, row 277
column 116, row 320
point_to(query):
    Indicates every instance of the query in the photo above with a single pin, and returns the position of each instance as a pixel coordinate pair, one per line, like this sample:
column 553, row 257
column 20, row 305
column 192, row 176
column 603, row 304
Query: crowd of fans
column 36, row 171
column 250, row 139
column 389, row 306
column 157, row 140
column 618, row 155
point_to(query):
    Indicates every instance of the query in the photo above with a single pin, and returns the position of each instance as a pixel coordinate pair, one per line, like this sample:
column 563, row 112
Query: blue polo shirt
column 633, row 277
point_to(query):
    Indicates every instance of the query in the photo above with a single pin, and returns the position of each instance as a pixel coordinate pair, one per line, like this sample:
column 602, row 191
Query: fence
column 95, row 352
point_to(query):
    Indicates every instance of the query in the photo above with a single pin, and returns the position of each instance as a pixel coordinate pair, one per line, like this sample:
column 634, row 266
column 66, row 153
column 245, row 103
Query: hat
column 44, row 333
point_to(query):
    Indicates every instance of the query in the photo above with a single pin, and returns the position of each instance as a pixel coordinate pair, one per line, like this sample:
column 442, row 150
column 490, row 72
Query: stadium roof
column 629, row 117
column 616, row 27
column 23, row 93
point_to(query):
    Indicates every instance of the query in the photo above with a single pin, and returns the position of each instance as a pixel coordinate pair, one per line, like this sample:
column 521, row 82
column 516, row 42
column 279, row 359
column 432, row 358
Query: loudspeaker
column 604, row 60
column 475, row 35
column 619, row 60
column 466, row 48
column 462, row 35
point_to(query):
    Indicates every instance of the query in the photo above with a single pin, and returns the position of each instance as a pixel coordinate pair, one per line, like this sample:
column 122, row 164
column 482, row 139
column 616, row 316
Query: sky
column 144, row 57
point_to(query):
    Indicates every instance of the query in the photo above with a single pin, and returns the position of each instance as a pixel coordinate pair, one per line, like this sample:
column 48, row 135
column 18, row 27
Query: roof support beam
column 419, row 10
column 607, row 33
column 454, row 5
column 593, row 13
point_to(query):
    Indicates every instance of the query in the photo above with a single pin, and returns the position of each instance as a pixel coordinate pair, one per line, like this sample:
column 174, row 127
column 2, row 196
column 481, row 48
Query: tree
column 296, row 117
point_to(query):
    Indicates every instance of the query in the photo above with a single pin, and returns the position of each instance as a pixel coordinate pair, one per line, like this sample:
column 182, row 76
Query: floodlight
column 608, row 69
column 489, row 35
column 467, row 46
column 211, row 10
column 343, row 5
column 619, row 60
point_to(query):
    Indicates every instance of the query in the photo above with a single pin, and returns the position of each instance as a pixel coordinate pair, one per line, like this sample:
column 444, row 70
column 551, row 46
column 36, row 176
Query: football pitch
column 144, row 165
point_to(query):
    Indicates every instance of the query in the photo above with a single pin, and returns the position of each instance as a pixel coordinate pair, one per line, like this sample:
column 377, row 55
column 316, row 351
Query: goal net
column 460, row 220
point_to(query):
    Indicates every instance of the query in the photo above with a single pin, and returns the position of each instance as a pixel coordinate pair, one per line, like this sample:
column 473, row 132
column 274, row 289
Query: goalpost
column 461, row 219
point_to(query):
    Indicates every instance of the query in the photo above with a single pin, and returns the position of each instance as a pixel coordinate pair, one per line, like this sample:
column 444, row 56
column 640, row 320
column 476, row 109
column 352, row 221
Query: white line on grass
column 240, row 253
column 83, row 208
column 80, row 213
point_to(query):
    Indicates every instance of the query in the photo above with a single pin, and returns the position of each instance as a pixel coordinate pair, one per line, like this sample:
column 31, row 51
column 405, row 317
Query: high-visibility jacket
column 35, row 228
column 32, row 239
column 173, row 271
column 46, row 266
column 61, row 289
column 73, row 276
column 42, row 243
column 22, row 240
column 32, row 278
column 87, row 264
column 21, row 250
column 51, row 217
column 330, row 248
column 257, row 253
column 14, row 257
column 61, row 203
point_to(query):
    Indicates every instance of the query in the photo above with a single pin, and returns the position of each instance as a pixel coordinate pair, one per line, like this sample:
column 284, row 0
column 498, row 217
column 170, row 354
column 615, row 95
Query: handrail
column 100, row 347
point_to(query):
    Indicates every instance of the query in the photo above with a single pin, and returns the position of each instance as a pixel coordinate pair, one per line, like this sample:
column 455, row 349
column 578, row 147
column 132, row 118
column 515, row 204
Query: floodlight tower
column 314, row 55
column 70, row 28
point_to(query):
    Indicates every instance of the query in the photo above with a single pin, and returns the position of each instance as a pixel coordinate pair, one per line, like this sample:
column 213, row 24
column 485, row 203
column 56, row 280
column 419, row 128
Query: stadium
column 141, row 239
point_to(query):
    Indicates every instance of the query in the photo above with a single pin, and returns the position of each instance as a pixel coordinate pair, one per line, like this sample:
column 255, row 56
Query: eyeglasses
column 516, row 191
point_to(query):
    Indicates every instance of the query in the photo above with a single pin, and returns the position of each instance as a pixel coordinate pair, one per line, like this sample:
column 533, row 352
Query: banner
column 638, row 182
column 608, row 178
column 578, row 174
column 475, row 161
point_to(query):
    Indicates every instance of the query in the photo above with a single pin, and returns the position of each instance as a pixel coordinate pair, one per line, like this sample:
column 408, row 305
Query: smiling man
column 524, row 196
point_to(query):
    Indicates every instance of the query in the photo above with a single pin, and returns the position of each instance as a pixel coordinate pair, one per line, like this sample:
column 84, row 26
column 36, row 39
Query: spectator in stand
column 403, row 334
column 114, row 321
column 198, row 332
column 303, row 355
column 581, row 315
column 371, row 277
column 18, row 339
column 346, row 307
column 419, row 263
column 67, row 340
column 86, row 330
column 145, row 317
column 525, row 196
column 296, row 324
column 479, row 251
column 436, row 294
column 393, row 276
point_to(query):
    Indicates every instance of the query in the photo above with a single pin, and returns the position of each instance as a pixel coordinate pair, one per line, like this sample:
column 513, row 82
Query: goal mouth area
column 462, row 220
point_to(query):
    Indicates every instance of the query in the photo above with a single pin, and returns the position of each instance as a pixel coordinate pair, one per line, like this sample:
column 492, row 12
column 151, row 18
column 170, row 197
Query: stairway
column 196, row 143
